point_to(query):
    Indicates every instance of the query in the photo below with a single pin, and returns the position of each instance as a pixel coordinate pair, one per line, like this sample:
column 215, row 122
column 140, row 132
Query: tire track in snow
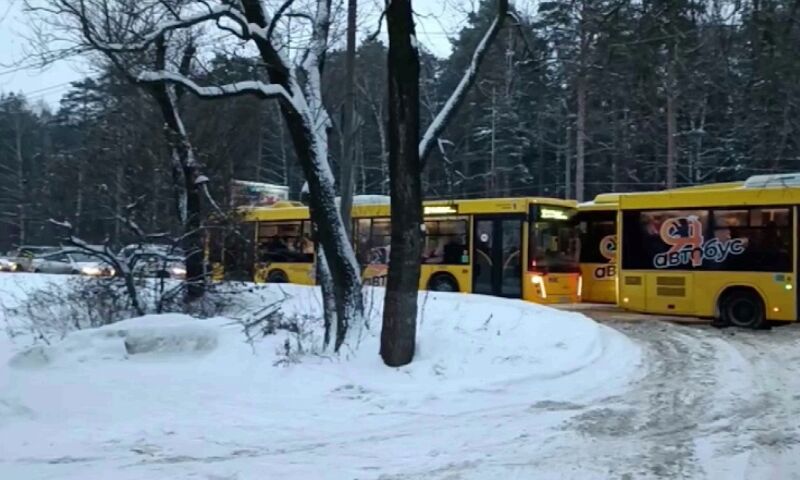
column 712, row 404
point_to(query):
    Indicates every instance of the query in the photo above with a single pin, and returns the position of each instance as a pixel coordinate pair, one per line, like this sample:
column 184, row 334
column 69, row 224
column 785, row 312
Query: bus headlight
column 788, row 286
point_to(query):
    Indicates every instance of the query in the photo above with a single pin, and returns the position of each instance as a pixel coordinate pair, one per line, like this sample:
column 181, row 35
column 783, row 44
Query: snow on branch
column 246, row 87
column 459, row 94
column 227, row 11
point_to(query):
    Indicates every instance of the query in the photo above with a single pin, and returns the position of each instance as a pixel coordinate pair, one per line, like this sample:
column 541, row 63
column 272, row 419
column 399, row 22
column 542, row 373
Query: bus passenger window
column 380, row 241
column 284, row 242
column 445, row 242
column 362, row 240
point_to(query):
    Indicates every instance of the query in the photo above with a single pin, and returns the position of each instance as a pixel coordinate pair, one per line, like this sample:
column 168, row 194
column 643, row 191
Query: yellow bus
column 511, row 247
column 597, row 224
column 726, row 251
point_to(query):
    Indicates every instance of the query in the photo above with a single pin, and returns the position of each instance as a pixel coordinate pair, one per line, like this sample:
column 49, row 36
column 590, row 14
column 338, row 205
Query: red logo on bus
column 684, row 235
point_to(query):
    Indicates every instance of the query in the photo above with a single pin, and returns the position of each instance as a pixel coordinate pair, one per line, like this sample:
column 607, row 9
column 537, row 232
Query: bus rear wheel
column 443, row 283
column 742, row 308
column 277, row 276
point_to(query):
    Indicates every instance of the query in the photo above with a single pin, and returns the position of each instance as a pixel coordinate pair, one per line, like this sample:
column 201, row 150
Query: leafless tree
column 126, row 34
column 127, row 27
column 406, row 155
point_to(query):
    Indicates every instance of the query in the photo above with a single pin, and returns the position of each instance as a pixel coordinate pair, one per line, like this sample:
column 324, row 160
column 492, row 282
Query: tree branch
column 236, row 89
column 278, row 14
column 459, row 94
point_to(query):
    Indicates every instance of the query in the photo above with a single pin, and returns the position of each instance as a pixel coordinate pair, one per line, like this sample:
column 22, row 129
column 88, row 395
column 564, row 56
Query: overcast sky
column 435, row 20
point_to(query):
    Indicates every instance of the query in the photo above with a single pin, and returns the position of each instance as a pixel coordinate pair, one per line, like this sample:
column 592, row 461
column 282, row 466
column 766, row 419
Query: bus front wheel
column 443, row 283
column 277, row 276
column 742, row 307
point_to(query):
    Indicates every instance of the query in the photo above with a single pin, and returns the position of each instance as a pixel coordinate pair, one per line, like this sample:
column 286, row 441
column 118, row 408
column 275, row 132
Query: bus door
column 496, row 253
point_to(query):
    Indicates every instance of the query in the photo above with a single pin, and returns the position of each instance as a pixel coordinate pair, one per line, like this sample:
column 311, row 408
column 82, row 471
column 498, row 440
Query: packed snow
column 171, row 396
column 498, row 389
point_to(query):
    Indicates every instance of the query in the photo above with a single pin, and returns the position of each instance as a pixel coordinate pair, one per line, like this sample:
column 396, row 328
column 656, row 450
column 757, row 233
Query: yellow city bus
column 511, row 247
column 726, row 251
column 597, row 224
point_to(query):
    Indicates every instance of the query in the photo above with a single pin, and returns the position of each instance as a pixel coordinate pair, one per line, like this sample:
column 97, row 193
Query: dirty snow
column 499, row 389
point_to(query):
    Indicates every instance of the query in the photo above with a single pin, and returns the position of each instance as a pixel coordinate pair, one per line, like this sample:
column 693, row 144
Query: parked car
column 31, row 251
column 61, row 262
column 155, row 260
column 22, row 255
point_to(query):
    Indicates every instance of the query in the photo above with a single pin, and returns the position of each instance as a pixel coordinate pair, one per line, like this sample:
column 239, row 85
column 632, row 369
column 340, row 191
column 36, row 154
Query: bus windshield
column 552, row 240
column 598, row 230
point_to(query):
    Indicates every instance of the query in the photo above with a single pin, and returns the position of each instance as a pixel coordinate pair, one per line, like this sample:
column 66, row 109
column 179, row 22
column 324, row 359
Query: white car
column 8, row 265
column 153, row 260
column 72, row 262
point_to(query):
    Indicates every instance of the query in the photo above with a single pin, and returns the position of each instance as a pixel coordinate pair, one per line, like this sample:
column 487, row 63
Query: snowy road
column 712, row 404
column 715, row 404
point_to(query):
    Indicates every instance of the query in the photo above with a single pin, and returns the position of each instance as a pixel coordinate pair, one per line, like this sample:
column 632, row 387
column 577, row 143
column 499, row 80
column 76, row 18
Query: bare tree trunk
column 672, row 126
column 580, row 140
column 568, row 161
column 282, row 143
column 309, row 136
column 259, row 160
column 347, row 161
column 398, row 334
column 580, row 127
column 671, row 129
column 325, row 281
column 378, row 114
column 155, row 203
column 119, row 176
column 186, row 175
column 22, row 198
column 492, row 187
column 79, row 200
column 540, row 164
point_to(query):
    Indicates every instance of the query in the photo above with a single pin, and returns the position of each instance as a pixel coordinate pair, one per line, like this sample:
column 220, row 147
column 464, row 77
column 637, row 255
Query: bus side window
column 283, row 242
column 362, row 240
column 307, row 242
column 445, row 242
column 379, row 241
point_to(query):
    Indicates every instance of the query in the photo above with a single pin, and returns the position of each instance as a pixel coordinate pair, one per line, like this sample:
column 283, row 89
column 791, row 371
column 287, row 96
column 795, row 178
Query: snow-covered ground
column 499, row 389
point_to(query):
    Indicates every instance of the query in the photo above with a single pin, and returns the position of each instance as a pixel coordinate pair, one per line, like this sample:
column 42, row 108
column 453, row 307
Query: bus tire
column 277, row 276
column 743, row 308
column 443, row 282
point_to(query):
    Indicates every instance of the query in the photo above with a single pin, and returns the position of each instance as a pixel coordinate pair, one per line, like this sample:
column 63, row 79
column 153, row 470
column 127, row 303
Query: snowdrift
column 150, row 391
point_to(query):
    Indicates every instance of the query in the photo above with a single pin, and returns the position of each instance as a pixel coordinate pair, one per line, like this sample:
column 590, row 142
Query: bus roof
column 602, row 202
column 432, row 207
column 709, row 186
column 734, row 194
